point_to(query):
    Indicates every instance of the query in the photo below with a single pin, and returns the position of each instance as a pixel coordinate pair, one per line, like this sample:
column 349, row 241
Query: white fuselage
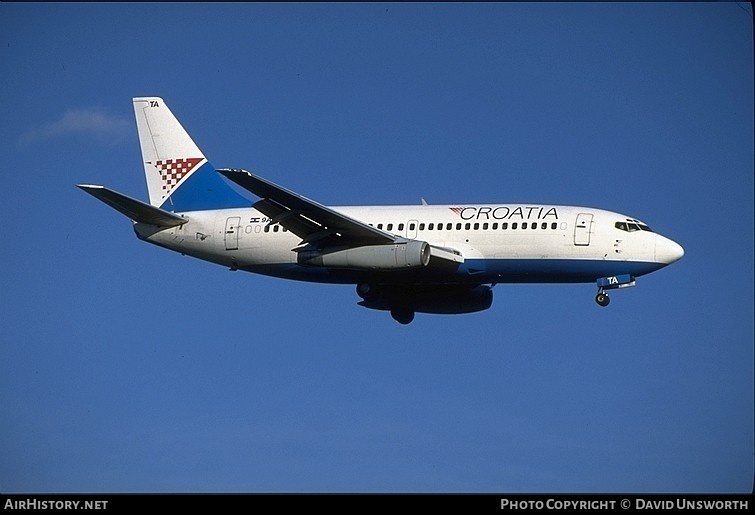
column 499, row 243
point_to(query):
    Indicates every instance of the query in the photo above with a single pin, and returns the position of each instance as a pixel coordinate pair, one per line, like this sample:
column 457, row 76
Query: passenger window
column 495, row 226
column 467, row 226
column 276, row 228
column 513, row 225
column 389, row 227
column 504, row 226
column 421, row 227
column 545, row 225
column 449, row 226
column 458, row 226
column 412, row 226
column 476, row 226
column 380, row 226
column 400, row 227
column 485, row 227
column 524, row 225
column 554, row 225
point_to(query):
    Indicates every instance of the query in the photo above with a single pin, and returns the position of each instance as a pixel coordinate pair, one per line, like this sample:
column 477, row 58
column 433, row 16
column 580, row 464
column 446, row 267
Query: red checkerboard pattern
column 173, row 170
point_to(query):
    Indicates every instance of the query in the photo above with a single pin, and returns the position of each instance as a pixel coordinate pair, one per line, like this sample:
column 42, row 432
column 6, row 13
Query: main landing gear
column 611, row 283
column 402, row 316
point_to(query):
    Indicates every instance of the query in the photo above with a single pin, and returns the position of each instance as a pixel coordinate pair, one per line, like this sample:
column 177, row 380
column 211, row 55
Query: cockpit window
column 632, row 225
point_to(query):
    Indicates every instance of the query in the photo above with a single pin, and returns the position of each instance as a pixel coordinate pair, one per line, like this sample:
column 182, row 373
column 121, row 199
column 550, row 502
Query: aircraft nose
column 667, row 251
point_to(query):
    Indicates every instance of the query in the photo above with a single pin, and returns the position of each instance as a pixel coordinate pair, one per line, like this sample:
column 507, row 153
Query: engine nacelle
column 396, row 256
column 441, row 300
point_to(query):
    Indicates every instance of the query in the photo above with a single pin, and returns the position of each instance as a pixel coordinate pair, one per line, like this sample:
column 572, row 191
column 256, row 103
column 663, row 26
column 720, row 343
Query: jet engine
column 404, row 301
column 394, row 256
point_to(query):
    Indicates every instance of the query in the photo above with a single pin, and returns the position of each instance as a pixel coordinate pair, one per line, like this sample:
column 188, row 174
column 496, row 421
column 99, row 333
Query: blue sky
column 125, row 367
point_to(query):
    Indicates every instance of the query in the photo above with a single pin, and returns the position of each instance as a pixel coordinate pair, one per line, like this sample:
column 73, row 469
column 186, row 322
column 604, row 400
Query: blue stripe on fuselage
column 205, row 189
column 553, row 270
column 473, row 271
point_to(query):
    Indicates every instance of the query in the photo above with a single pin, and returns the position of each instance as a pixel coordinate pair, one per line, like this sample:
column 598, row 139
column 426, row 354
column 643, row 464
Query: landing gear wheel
column 365, row 291
column 602, row 299
column 402, row 316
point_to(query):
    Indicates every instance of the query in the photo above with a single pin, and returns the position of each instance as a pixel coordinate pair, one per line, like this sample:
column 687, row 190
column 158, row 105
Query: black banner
column 298, row 501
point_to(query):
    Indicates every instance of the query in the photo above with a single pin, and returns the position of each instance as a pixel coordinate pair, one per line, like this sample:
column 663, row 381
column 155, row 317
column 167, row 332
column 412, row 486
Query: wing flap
column 446, row 254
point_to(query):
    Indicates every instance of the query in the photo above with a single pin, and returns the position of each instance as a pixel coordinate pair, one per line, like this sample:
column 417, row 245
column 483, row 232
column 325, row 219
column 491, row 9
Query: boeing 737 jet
column 442, row 259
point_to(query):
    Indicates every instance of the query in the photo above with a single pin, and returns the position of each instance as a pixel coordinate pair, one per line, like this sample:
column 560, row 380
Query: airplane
column 439, row 259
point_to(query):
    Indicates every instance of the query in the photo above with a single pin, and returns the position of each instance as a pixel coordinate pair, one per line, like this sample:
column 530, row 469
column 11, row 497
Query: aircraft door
column 583, row 229
column 232, row 233
column 411, row 229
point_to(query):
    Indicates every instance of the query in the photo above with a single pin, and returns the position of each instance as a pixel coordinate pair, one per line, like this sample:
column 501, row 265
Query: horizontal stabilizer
column 136, row 210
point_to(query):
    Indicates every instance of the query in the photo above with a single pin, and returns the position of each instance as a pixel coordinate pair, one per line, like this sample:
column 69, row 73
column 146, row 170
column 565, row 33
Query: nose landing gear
column 612, row 283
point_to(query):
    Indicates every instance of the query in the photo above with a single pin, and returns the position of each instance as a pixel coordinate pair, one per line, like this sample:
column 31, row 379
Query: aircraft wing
column 309, row 220
column 318, row 224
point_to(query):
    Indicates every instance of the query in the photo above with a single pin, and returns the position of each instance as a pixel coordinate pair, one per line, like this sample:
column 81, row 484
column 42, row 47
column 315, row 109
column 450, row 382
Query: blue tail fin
column 179, row 177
